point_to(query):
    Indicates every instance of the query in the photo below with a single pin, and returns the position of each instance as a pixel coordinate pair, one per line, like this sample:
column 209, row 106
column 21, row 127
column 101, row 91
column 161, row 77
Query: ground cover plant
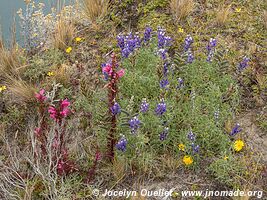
column 134, row 94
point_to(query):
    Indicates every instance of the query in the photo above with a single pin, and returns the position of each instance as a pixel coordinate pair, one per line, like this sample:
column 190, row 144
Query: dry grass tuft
column 265, row 18
column 95, row 9
column 181, row 8
column 21, row 89
column 222, row 15
column 119, row 169
column 63, row 74
column 64, row 33
column 9, row 61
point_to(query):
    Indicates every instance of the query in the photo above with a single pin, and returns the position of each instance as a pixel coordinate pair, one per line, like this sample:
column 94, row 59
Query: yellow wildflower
column 187, row 160
column 180, row 30
column 50, row 73
column 238, row 145
column 2, row 88
column 175, row 194
column 225, row 157
column 181, row 147
column 78, row 39
column 238, row 10
column 69, row 49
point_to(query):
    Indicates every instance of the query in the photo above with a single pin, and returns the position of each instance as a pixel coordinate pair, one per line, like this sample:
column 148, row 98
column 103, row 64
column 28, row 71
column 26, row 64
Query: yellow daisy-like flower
column 238, row 145
column 69, row 49
column 2, row 88
column 78, row 39
column 238, row 10
column 180, row 30
column 187, row 160
column 50, row 73
column 181, row 147
column 225, row 157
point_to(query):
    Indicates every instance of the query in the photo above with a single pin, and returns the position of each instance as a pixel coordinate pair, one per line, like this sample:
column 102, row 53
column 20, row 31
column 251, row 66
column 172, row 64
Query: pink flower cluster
column 60, row 113
column 40, row 95
column 107, row 69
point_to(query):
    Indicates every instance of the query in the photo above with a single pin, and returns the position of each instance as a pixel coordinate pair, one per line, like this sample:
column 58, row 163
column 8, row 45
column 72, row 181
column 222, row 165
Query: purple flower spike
column 115, row 109
column 191, row 136
column 235, row 130
column 187, row 43
column 164, row 83
column 163, row 53
column 121, row 41
column 121, row 145
column 195, row 148
column 180, row 83
column 165, row 69
column 163, row 135
column 161, row 108
column 134, row 124
column 211, row 49
column 144, row 106
column 147, row 34
column 244, row 63
column 190, row 57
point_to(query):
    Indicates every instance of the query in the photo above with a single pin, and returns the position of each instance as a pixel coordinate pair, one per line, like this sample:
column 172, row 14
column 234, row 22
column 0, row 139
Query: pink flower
column 107, row 69
column 65, row 103
column 40, row 96
column 121, row 73
column 61, row 112
column 53, row 112
column 65, row 112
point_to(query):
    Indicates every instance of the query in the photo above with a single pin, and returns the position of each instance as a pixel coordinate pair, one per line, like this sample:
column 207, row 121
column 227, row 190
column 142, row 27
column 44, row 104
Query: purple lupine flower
column 164, row 83
column 180, row 83
column 137, row 40
column 162, row 53
column 211, row 49
column 163, row 41
column 191, row 136
column 122, row 143
column 187, row 43
column 235, row 130
column 163, row 135
column 161, row 108
column 128, row 43
column 165, row 68
column 121, row 41
column 115, row 109
column 195, row 148
column 125, row 52
column 134, row 124
column 244, row 63
column 144, row 106
column 161, row 38
column 190, row 57
column 147, row 34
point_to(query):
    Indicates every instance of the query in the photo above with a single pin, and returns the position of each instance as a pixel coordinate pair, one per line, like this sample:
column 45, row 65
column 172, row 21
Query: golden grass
column 20, row 89
column 9, row 61
column 222, row 15
column 64, row 33
column 119, row 169
column 94, row 9
column 62, row 74
column 181, row 8
column 265, row 18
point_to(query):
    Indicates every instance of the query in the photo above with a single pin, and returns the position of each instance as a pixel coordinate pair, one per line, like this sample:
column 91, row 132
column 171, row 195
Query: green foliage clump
column 227, row 171
column 40, row 64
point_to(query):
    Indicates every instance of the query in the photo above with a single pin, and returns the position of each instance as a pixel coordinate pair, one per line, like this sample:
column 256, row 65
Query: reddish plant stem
column 111, row 99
